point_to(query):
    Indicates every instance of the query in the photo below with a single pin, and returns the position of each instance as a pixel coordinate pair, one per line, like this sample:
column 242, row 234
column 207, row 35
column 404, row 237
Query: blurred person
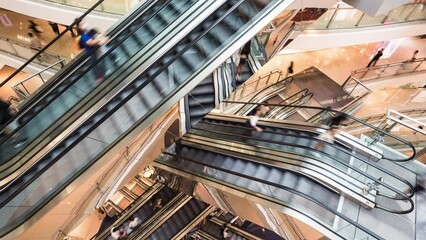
column 413, row 58
column 118, row 233
column 35, row 29
column 89, row 42
column 264, row 109
column 55, row 27
column 376, row 58
column 225, row 233
column 254, row 118
column 289, row 70
column 333, row 130
column 245, row 52
column 134, row 222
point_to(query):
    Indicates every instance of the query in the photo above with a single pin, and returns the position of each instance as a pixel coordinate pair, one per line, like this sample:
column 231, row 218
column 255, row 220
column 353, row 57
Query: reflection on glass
column 352, row 18
column 109, row 6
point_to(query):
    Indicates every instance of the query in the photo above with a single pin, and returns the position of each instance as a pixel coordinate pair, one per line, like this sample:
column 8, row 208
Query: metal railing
column 382, row 117
column 362, row 76
column 248, row 89
column 47, row 46
column 24, row 91
column 24, row 51
column 108, row 6
column 399, row 119
column 344, row 18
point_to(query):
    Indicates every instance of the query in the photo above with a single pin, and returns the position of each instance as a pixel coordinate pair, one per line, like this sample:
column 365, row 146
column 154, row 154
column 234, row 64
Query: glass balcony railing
column 26, row 52
column 108, row 6
column 342, row 18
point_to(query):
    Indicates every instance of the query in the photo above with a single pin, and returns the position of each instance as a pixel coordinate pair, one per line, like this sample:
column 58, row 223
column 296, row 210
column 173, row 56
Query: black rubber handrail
column 51, row 42
column 306, row 196
column 304, row 94
column 371, row 163
column 398, row 194
column 127, row 211
column 102, row 114
column 69, row 68
column 82, row 73
column 299, row 101
column 349, row 116
column 284, row 81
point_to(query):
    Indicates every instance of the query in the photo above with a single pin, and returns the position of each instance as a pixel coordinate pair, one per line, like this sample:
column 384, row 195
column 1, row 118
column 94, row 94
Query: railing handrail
column 39, row 72
column 383, row 115
column 42, row 50
column 382, row 22
column 349, row 116
column 392, row 64
column 27, row 46
column 112, row 48
column 403, row 116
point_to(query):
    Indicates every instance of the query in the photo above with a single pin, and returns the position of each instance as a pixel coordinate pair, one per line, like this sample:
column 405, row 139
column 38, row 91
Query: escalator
column 281, row 166
column 213, row 229
column 200, row 101
column 77, row 92
column 133, row 109
column 143, row 210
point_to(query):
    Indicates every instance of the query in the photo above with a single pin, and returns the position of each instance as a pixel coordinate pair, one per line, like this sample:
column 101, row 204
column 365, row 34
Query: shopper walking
column 376, row 58
column 55, row 27
column 35, row 29
column 289, row 70
column 89, row 41
column 333, row 130
column 413, row 58
column 254, row 118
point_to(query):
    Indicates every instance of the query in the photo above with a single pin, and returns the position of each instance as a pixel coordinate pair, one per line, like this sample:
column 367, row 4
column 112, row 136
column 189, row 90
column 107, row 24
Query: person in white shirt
column 134, row 223
column 117, row 233
column 254, row 118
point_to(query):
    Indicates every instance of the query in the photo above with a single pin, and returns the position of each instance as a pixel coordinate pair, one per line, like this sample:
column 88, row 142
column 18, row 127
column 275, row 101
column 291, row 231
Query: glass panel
column 419, row 12
column 400, row 14
column 346, row 18
column 110, row 6
column 323, row 21
column 4, row 46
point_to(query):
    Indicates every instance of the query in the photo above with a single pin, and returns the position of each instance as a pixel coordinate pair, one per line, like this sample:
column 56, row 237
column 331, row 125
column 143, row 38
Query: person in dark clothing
column 89, row 41
column 55, row 27
column 35, row 29
column 290, row 69
column 245, row 52
column 376, row 58
column 5, row 117
column 333, row 130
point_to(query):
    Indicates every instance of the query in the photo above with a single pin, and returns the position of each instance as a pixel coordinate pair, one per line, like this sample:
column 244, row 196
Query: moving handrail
column 399, row 195
column 411, row 156
column 61, row 86
column 301, row 97
column 265, row 94
column 68, row 84
column 241, row 28
column 285, row 188
column 42, row 50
